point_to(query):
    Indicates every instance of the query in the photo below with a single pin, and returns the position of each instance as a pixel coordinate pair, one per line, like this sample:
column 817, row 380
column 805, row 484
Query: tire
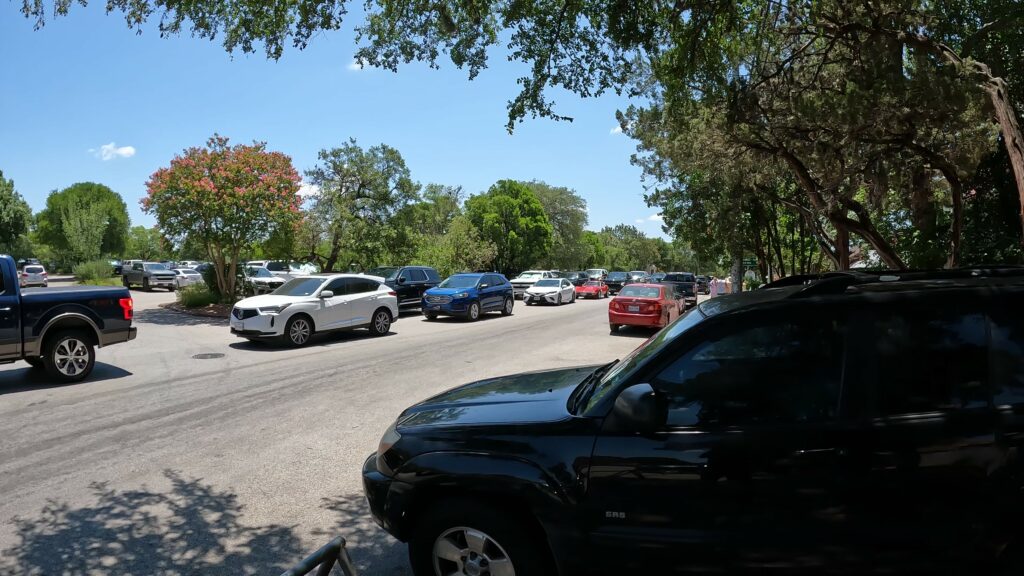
column 380, row 323
column 145, row 285
column 34, row 361
column 298, row 331
column 572, row 298
column 430, row 315
column 506, row 309
column 499, row 537
column 528, row 303
column 69, row 356
column 613, row 327
column 558, row 302
column 473, row 314
column 124, row 280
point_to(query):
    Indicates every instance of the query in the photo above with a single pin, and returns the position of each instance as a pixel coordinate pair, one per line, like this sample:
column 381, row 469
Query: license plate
column 236, row 325
column 634, row 308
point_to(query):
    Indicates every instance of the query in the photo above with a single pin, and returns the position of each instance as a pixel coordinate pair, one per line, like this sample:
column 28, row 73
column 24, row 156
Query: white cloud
column 356, row 65
column 639, row 220
column 655, row 218
column 307, row 190
column 112, row 150
column 616, row 130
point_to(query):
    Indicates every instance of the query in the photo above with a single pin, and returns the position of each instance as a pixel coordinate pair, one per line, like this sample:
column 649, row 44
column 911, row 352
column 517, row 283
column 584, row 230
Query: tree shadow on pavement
column 373, row 551
column 165, row 317
column 193, row 528
column 29, row 378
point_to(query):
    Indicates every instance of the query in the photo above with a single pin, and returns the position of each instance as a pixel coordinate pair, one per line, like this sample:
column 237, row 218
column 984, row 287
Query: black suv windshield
column 388, row 273
column 299, row 287
column 679, row 278
column 617, row 276
column 637, row 357
column 459, row 282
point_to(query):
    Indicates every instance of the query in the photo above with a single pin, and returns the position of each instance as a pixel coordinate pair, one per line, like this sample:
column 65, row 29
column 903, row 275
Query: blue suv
column 469, row 296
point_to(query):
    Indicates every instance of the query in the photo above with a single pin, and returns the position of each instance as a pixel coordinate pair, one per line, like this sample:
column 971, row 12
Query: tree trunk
column 737, row 273
column 842, row 247
column 1013, row 140
column 332, row 258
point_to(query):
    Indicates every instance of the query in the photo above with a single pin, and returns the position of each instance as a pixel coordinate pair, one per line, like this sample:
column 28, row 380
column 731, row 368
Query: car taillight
column 392, row 293
column 24, row 274
column 44, row 273
column 654, row 308
column 128, row 307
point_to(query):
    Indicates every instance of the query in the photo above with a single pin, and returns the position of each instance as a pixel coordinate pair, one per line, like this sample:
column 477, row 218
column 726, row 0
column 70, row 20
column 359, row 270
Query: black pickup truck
column 58, row 329
column 684, row 282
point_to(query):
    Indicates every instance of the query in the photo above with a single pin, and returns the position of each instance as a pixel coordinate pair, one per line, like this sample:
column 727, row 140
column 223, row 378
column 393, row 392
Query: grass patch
column 196, row 296
column 96, row 273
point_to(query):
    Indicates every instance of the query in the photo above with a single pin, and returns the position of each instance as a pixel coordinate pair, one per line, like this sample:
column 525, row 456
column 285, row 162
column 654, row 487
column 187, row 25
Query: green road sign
column 749, row 262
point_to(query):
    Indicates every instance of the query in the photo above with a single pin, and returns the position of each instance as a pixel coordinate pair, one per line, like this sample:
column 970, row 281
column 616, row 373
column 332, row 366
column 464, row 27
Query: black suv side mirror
column 639, row 408
column 401, row 279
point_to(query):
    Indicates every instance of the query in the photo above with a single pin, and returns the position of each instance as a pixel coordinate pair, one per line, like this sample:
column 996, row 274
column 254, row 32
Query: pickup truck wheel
column 124, row 280
column 430, row 315
column 145, row 285
column 467, row 537
column 69, row 356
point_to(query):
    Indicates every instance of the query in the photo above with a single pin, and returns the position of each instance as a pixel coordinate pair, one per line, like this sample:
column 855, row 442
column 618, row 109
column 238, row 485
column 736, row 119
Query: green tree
column 83, row 227
column 103, row 205
column 459, row 249
column 567, row 213
column 361, row 192
column 15, row 218
column 146, row 243
column 510, row 216
column 226, row 198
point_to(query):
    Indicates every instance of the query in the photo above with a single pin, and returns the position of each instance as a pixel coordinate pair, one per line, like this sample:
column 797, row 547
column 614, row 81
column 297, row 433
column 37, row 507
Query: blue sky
column 87, row 99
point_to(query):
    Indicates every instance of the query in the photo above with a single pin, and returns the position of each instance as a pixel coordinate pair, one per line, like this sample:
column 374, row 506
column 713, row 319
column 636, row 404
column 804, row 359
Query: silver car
column 186, row 277
column 33, row 275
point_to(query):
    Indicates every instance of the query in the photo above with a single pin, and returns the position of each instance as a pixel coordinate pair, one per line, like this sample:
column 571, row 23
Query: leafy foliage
column 225, row 198
column 146, row 243
column 197, row 296
column 460, row 249
column 15, row 216
column 567, row 212
column 96, row 272
column 510, row 216
column 82, row 222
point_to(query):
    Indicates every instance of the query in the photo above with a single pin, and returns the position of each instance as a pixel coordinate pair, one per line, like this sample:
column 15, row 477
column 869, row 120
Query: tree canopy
column 84, row 221
column 15, row 215
column 510, row 216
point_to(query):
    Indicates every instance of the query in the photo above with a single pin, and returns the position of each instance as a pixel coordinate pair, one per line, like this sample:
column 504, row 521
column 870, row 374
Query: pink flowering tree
column 226, row 198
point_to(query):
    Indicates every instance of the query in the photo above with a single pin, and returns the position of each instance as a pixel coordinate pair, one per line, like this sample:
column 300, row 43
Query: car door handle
column 5, row 309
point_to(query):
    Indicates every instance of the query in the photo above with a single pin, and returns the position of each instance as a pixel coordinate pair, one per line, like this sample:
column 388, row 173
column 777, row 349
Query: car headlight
column 461, row 295
column 391, row 436
column 272, row 309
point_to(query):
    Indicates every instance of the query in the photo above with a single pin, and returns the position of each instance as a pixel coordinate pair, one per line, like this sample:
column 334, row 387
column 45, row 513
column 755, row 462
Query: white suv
column 317, row 303
column 521, row 283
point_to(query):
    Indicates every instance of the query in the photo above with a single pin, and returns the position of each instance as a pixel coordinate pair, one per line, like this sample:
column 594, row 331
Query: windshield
column 155, row 267
column 548, row 282
column 388, row 273
column 679, row 278
column 645, row 351
column 617, row 276
column 592, row 284
column 641, row 291
column 259, row 272
column 459, row 282
column 299, row 287
column 531, row 275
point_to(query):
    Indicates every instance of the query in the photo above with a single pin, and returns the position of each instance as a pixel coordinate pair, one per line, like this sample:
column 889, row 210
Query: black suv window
column 414, row 275
column 777, row 370
column 1008, row 354
column 432, row 275
column 929, row 359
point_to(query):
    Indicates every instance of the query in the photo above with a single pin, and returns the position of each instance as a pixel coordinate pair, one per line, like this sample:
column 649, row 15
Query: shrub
column 196, row 296
column 210, row 278
column 97, row 272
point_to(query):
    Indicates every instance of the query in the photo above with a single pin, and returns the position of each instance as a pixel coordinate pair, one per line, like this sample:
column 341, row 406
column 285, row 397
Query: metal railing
column 325, row 558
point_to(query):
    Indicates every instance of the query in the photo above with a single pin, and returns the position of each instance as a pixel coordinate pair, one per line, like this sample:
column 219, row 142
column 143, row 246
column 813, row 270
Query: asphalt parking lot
column 242, row 463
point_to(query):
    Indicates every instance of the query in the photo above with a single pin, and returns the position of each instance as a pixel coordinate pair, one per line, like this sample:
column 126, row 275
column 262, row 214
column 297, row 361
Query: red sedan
column 592, row 289
column 650, row 305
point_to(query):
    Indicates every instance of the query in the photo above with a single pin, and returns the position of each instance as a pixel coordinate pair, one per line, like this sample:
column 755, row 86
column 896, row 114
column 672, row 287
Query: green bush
column 97, row 272
column 196, row 296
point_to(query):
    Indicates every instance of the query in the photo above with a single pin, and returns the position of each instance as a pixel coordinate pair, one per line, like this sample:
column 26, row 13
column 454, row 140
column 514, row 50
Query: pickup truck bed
column 59, row 328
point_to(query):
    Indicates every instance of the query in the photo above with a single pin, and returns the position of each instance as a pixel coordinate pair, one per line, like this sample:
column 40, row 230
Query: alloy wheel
column 463, row 551
column 382, row 322
column 71, row 357
column 299, row 332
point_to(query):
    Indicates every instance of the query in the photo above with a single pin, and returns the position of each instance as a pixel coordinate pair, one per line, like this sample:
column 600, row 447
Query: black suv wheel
column 469, row 537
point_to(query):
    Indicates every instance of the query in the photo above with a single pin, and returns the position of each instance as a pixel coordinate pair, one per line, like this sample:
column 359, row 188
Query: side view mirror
column 324, row 294
column 639, row 408
column 482, row 286
column 401, row 279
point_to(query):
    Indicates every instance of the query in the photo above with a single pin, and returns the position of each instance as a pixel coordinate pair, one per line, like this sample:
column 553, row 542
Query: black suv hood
column 517, row 399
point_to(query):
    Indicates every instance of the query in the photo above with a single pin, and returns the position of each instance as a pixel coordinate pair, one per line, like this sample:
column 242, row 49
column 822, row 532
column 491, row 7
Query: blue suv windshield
column 459, row 282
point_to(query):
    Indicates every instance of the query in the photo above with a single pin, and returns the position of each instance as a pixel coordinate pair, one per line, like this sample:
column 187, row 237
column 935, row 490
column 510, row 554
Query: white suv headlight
column 272, row 309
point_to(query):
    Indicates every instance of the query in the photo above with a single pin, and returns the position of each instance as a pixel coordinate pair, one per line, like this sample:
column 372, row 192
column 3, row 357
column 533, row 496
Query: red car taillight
column 128, row 307
column 24, row 274
column 392, row 293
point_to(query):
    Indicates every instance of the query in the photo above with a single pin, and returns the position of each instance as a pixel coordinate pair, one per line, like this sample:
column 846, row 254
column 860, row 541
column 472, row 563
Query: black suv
column 578, row 278
column 684, row 282
column 615, row 281
column 410, row 282
column 859, row 423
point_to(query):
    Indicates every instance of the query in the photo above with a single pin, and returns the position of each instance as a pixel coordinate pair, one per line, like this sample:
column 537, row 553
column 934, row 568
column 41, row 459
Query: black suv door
column 930, row 452
column 410, row 285
column 745, row 467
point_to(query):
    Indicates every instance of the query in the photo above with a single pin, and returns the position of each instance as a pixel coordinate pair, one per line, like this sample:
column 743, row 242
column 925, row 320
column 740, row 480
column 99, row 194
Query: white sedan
column 186, row 277
column 317, row 303
column 550, row 291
